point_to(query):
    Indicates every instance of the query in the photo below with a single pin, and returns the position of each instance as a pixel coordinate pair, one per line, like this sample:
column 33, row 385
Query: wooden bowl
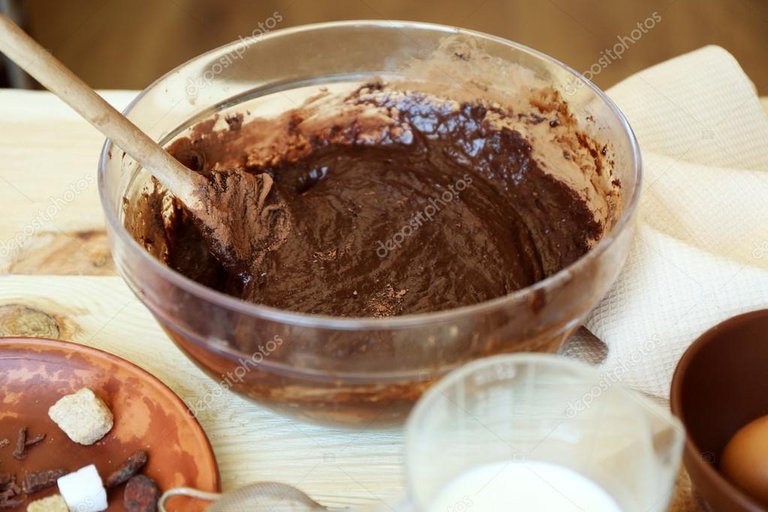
column 720, row 385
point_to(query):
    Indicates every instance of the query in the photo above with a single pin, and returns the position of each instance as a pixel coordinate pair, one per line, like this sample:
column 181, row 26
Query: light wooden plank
column 48, row 159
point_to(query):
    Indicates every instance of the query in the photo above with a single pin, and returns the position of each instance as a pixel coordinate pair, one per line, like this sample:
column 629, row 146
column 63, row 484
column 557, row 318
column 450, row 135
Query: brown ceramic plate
column 35, row 373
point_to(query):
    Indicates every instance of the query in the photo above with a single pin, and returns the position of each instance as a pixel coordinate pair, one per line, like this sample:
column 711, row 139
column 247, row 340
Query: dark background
column 127, row 44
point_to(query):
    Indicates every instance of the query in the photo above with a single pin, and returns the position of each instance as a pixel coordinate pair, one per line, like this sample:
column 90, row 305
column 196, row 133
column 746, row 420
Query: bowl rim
column 241, row 306
column 692, row 451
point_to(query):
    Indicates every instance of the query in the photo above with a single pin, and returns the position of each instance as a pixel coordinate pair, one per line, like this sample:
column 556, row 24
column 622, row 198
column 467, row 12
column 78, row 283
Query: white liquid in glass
column 522, row 486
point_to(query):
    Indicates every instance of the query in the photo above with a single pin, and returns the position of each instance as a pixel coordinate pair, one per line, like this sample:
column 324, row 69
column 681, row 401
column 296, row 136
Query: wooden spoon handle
column 58, row 79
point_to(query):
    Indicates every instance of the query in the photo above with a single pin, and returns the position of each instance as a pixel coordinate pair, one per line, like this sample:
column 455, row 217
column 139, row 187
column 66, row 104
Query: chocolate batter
column 403, row 203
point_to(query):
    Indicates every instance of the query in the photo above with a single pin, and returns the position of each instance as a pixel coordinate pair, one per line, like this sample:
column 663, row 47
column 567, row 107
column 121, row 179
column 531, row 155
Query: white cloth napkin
column 701, row 251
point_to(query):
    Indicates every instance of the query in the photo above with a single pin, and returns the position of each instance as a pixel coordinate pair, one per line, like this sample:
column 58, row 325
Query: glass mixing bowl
column 351, row 370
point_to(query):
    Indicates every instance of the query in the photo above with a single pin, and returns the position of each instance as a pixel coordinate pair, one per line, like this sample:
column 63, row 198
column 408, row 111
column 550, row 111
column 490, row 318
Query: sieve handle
column 188, row 492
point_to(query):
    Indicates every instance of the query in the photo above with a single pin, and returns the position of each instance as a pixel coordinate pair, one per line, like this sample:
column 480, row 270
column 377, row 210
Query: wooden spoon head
column 242, row 216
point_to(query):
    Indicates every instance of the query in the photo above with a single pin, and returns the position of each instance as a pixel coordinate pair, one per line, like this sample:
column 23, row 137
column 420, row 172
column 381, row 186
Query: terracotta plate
column 34, row 373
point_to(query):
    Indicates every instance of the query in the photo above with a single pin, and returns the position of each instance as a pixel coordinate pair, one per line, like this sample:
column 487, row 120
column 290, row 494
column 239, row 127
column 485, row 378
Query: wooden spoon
column 230, row 209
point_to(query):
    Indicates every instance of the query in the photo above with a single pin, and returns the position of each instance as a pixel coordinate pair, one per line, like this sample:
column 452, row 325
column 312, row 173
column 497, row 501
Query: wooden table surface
column 60, row 282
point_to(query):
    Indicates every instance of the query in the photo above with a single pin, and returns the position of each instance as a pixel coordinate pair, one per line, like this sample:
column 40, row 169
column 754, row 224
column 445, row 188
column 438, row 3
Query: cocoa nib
column 127, row 469
column 32, row 441
column 23, row 442
column 9, row 491
column 141, row 495
column 35, row 482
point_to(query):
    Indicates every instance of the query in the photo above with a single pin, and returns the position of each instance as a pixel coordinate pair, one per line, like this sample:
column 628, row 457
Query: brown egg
column 745, row 460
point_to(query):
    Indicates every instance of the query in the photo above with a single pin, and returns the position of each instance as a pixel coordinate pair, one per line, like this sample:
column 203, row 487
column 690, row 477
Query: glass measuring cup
column 518, row 425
